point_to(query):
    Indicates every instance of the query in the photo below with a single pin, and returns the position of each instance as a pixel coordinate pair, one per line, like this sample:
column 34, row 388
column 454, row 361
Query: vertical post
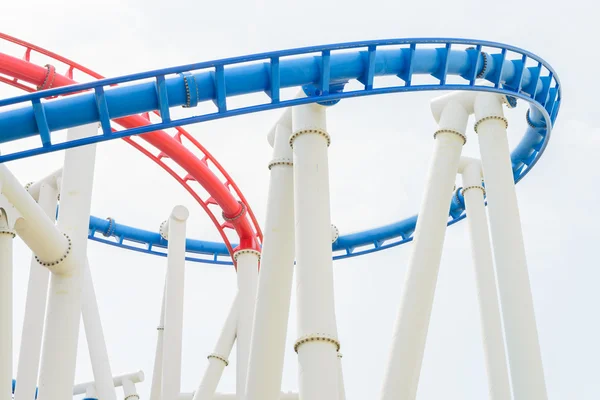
column 522, row 343
column 59, row 351
column 342, row 388
column 130, row 392
column 318, row 344
column 247, row 276
column 217, row 361
column 410, row 334
column 489, row 309
column 6, row 306
column 95, row 339
column 156, row 388
column 171, row 369
column 35, row 309
column 271, row 316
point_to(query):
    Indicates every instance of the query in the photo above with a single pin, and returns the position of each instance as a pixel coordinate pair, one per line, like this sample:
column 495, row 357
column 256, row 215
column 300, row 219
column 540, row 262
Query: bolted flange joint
column 314, row 131
column 317, row 337
column 237, row 253
column 49, row 78
column 132, row 396
column 473, row 187
column 281, row 161
column 110, row 229
column 462, row 136
column 163, row 230
column 61, row 259
column 490, row 117
column 238, row 215
column 218, row 357
column 8, row 232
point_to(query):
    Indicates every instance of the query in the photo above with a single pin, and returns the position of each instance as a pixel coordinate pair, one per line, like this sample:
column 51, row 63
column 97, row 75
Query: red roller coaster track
column 236, row 212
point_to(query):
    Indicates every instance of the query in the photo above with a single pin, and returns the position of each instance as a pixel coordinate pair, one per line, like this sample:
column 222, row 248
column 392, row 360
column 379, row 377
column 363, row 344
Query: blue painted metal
column 323, row 78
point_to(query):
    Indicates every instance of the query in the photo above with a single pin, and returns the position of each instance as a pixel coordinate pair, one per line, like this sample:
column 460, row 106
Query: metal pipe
column 6, row 305
column 156, row 388
column 317, row 343
column 135, row 377
column 410, row 334
column 489, row 308
column 247, row 276
column 95, row 339
column 527, row 371
column 171, row 357
column 217, row 361
column 35, row 309
column 274, row 291
column 59, row 351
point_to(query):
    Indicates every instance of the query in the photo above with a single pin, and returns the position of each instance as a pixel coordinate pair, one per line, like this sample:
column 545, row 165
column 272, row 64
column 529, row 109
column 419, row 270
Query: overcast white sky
column 379, row 155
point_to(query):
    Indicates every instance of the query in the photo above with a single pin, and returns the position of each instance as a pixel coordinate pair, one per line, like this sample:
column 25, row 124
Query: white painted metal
column 6, row 305
column 410, row 334
column 489, row 308
column 35, row 228
column 130, row 392
column 276, row 273
column 247, row 277
column 95, row 339
column 59, row 350
column 342, row 388
column 91, row 393
column 156, row 388
column 509, row 252
column 318, row 364
column 171, row 357
column 135, row 377
column 52, row 180
column 217, row 361
column 35, row 309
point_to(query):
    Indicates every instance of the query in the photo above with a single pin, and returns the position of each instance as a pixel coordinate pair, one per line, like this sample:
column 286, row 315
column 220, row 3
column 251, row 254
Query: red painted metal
column 21, row 73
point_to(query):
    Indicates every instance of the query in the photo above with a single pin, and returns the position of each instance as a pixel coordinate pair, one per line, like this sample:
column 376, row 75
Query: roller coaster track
column 322, row 71
column 30, row 77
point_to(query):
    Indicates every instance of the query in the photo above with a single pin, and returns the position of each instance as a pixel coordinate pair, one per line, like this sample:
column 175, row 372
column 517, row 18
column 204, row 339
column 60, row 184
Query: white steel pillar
column 59, row 351
column 35, row 309
column 509, row 251
column 6, row 305
column 342, row 388
column 95, row 339
column 489, row 309
column 171, row 368
column 410, row 334
column 276, row 273
column 130, row 392
column 317, row 343
column 218, row 360
column 156, row 388
column 247, row 277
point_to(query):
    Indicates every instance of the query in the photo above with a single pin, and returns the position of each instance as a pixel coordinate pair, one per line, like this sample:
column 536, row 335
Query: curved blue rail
column 323, row 73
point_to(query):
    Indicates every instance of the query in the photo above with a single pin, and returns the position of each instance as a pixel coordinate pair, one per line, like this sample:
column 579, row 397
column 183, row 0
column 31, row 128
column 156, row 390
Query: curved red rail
column 23, row 74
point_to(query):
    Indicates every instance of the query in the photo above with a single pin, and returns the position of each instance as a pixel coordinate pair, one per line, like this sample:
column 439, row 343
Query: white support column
column 156, row 388
column 271, row 316
column 35, row 309
column 6, row 305
column 342, row 388
column 317, row 343
column 412, row 324
column 247, row 277
column 218, row 360
column 489, row 309
column 171, row 368
column 509, row 251
column 95, row 339
column 130, row 392
column 91, row 393
column 59, row 351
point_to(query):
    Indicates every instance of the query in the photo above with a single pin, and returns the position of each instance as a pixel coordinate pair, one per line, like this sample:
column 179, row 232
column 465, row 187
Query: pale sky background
column 379, row 156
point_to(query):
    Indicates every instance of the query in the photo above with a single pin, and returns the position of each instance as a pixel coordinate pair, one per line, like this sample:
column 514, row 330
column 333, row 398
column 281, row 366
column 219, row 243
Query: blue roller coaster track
column 323, row 72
